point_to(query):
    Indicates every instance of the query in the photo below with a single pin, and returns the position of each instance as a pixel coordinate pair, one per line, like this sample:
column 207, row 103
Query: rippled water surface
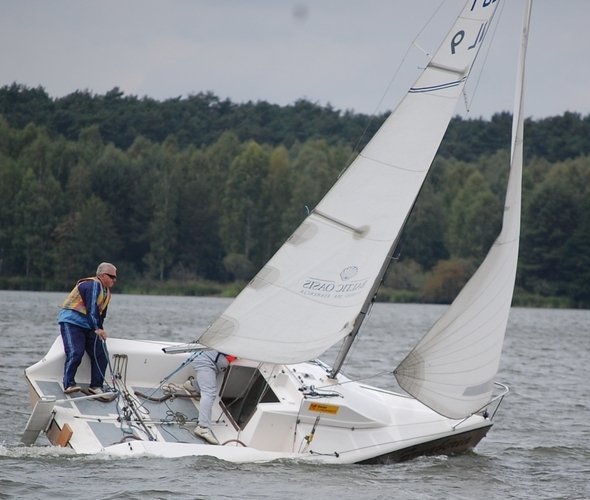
column 538, row 448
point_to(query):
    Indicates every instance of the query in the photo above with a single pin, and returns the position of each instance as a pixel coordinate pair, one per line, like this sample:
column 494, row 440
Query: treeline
column 200, row 119
column 196, row 188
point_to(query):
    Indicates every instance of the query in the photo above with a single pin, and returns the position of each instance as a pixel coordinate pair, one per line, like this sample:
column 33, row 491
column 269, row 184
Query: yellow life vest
column 74, row 299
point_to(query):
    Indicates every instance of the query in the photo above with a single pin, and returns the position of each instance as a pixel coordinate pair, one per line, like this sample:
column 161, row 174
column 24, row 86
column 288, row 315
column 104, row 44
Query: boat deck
column 173, row 415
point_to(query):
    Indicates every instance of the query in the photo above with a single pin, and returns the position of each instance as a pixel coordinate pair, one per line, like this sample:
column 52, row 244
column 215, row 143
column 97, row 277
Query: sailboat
column 278, row 400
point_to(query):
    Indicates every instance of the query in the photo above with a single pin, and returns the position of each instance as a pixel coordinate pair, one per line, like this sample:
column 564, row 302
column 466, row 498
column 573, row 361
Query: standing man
column 80, row 321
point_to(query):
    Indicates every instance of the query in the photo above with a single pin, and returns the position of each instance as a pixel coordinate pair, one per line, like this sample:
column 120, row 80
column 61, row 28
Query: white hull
column 266, row 412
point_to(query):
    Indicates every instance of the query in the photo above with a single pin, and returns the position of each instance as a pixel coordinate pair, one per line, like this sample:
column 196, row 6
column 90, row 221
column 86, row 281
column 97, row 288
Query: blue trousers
column 76, row 341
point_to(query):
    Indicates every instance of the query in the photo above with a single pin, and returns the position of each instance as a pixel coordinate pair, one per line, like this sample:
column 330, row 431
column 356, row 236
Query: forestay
column 452, row 369
column 310, row 293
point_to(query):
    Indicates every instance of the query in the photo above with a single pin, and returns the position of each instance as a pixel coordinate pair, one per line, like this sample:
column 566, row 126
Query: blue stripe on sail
column 432, row 88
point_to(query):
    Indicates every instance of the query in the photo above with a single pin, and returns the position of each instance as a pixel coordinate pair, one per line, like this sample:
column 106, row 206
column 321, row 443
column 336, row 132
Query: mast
column 348, row 341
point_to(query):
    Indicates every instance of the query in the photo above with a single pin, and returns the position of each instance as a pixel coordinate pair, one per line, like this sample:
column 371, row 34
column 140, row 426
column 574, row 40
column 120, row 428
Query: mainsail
column 452, row 368
column 310, row 294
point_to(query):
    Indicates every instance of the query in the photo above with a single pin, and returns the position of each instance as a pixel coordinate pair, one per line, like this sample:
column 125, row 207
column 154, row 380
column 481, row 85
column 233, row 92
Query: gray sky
column 341, row 52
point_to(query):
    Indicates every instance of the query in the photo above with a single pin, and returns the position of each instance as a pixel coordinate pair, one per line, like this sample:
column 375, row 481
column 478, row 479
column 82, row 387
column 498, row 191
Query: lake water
column 539, row 447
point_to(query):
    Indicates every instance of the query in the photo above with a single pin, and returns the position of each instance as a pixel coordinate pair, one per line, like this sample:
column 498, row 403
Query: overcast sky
column 338, row 52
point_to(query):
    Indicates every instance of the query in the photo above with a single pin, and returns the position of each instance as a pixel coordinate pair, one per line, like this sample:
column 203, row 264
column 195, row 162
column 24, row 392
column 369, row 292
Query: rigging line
column 344, row 349
column 165, row 425
column 131, row 408
column 309, row 437
column 412, row 44
column 393, row 78
column 392, row 259
column 139, row 419
column 180, row 367
column 177, row 416
column 248, row 387
column 379, row 374
column 119, row 377
column 106, row 353
column 468, row 102
column 167, row 377
column 296, row 427
column 123, row 417
column 295, row 430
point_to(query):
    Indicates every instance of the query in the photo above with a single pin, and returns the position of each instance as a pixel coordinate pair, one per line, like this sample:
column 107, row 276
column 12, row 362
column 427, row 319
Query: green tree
column 576, row 258
column 550, row 219
column 423, row 236
column 83, row 239
column 406, row 275
column 277, row 192
column 554, row 239
column 219, row 158
column 22, row 105
column 446, row 280
column 10, row 183
column 128, row 187
column 163, row 229
column 36, row 205
column 198, row 245
column 242, row 219
column 474, row 219
column 315, row 168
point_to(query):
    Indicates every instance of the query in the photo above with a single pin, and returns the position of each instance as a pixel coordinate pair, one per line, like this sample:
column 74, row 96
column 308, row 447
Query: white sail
column 310, row 293
column 452, row 368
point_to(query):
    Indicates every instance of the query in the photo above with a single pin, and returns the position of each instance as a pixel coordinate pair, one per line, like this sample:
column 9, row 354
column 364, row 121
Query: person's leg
column 73, row 339
column 98, row 359
column 206, row 380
